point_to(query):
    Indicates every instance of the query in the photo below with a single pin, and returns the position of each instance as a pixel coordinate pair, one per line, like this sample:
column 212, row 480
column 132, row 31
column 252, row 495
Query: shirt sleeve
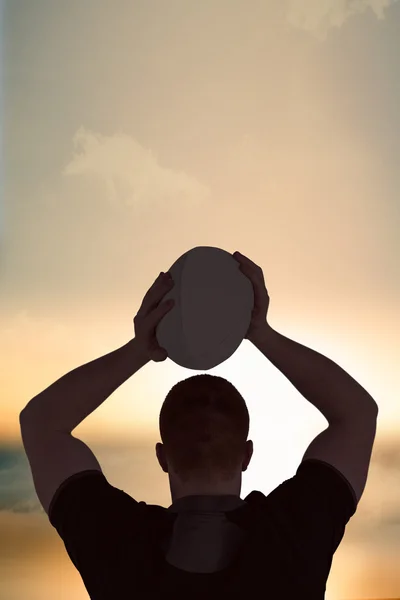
column 80, row 492
column 317, row 503
column 90, row 516
column 329, row 489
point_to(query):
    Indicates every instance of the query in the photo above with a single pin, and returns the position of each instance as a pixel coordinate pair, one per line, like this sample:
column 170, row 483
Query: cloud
column 318, row 16
column 131, row 172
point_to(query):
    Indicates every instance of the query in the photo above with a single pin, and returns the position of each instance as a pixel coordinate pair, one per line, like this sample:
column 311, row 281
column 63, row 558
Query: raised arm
column 320, row 380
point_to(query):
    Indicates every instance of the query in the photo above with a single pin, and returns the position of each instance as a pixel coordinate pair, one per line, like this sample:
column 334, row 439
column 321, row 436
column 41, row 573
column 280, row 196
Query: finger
column 154, row 286
column 161, row 284
column 157, row 291
column 159, row 312
column 158, row 354
column 245, row 261
column 161, row 280
column 253, row 271
column 255, row 274
column 240, row 257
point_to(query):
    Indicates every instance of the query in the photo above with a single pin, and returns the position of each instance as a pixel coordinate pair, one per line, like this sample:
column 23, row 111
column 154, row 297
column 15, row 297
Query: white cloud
column 131, row 172
column 318, row 16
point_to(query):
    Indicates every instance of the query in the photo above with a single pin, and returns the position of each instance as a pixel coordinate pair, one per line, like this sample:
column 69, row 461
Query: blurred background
column 135, row 131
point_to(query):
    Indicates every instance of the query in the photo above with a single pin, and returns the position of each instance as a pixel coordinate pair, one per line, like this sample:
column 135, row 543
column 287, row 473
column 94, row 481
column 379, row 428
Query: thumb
column 159, row 354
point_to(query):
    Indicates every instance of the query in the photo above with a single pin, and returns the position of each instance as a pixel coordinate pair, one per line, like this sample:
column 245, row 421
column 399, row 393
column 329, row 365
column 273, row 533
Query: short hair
column 204, row 424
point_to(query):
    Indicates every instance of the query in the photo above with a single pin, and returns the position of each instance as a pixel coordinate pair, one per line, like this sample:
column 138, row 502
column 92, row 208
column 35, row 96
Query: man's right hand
column 258, row 323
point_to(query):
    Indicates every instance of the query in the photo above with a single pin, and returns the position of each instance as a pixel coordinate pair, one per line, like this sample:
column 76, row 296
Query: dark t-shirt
column 123, row 548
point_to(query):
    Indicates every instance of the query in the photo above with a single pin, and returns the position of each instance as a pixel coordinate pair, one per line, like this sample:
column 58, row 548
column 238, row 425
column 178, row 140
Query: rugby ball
column 212, row 310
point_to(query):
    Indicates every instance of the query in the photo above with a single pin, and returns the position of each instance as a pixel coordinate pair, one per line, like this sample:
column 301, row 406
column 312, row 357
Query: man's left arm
column 67, row 402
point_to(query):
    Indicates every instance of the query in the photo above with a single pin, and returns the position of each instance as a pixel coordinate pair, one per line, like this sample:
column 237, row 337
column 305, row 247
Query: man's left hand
column 150, row 314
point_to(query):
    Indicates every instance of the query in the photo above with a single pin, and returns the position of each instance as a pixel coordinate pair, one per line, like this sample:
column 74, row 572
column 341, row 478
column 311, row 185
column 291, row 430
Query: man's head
column 204, row 423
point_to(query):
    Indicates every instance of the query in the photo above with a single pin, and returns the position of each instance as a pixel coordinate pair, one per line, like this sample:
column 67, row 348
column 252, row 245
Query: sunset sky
column 135, row 131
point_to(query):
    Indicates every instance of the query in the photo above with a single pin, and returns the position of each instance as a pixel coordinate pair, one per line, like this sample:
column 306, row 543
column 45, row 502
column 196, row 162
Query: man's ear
column 161, row 457
column 249, row 454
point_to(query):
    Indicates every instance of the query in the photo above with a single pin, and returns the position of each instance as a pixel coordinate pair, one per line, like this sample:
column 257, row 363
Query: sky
column 135, row 131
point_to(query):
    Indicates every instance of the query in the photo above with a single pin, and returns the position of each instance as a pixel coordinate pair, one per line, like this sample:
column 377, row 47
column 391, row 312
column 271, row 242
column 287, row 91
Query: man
column 209, row 541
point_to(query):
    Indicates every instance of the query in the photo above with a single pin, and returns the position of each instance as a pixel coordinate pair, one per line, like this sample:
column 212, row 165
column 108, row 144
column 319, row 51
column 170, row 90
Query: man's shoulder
column 90, row 493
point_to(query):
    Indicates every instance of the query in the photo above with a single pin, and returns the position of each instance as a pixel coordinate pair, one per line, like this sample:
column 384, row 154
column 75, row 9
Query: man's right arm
column 320, row 380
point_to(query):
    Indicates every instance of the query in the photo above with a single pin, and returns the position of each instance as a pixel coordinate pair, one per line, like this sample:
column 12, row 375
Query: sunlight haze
column 134, row 132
